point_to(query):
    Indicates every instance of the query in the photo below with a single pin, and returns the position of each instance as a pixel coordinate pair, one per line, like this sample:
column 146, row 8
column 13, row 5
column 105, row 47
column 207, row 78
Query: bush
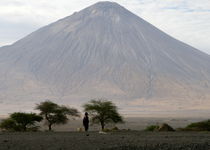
column 163, row 127
column 152, row 128
column 19, row 121
column 8, row 124
column 198, row 126
column 106, row 130
column 111, row 129
column 115, row 129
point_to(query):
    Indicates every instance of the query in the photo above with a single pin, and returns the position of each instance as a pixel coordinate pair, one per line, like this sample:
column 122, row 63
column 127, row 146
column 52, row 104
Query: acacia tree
column 56, row 114
column 103, row 112
column 20, row 121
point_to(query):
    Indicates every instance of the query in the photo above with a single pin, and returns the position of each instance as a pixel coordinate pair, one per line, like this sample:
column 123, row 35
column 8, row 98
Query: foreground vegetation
column 198, row 126
column 21, row 122
column 101, row 111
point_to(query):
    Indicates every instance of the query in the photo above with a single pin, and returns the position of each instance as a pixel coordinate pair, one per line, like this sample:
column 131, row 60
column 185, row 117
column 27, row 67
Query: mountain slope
column 105, row 51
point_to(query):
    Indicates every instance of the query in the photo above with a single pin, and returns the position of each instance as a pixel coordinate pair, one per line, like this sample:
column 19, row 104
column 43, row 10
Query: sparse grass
column 122, row 140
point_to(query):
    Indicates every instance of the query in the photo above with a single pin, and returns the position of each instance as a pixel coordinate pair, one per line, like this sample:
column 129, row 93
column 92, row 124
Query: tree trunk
column 24, row 128
column 102, row 125
column 49, row 124
column 50, row 127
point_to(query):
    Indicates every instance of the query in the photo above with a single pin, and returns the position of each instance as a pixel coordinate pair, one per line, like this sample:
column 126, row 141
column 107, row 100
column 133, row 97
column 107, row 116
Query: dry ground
column 121, row 140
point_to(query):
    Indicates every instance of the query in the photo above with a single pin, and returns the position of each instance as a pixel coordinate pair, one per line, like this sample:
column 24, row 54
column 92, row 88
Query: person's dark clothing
column 86, row 122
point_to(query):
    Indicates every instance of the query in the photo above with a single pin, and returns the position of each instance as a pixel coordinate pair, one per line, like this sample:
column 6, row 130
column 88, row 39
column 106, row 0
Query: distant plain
column 132, row 123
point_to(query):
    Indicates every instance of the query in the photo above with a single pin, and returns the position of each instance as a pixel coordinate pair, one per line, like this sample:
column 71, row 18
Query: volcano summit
column 104, row 51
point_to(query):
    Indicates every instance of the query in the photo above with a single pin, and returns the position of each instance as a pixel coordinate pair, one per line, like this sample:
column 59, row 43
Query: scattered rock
column 80, row 129
column 5, row 141
column 102, row 132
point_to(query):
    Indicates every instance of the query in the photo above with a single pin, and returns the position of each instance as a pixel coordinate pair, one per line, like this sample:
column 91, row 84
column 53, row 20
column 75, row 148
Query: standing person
column 86, row 123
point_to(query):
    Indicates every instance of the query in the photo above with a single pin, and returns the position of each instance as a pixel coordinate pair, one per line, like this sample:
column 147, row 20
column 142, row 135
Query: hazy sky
column 186, row 20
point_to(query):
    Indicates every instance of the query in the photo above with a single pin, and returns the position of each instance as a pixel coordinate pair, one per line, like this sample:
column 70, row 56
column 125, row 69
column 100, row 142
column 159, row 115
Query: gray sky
column 186, row 20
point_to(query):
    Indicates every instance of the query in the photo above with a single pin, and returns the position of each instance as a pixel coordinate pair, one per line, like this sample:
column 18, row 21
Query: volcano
column 104, row 51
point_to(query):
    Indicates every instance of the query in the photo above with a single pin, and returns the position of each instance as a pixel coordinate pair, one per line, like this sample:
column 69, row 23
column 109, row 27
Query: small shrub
column 106, row 130
column 152, row 128
column 8, row 124
column 198, row 126
column 163, row 127
column 115, row 129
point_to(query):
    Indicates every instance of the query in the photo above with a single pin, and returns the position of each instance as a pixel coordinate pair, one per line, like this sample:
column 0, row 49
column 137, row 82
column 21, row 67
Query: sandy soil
column 123, row 140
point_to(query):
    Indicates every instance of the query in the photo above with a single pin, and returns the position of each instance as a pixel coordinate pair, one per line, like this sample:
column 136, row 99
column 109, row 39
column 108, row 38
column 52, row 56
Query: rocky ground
column 120, row 140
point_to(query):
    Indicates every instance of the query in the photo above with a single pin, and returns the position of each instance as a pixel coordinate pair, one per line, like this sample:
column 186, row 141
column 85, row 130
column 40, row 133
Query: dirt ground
column 120, row 140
